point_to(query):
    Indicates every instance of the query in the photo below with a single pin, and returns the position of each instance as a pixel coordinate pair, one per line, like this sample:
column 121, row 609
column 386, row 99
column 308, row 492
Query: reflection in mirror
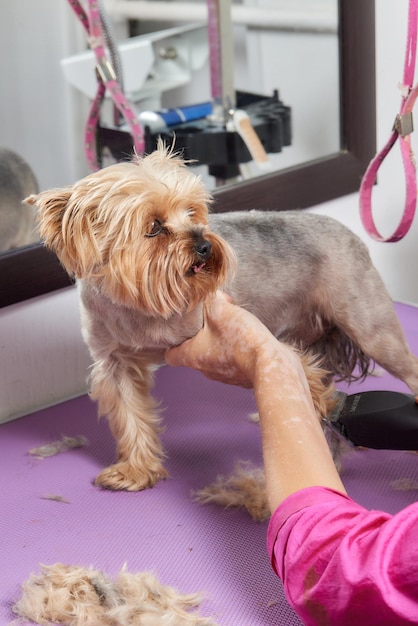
column 17, row 220
column 170, row 72
column 300, row 58
column 44, row 115
column 288, row 47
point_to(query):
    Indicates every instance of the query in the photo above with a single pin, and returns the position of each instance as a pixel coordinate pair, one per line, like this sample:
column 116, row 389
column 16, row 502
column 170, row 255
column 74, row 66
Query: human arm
column 235, row 347
column 339, row 563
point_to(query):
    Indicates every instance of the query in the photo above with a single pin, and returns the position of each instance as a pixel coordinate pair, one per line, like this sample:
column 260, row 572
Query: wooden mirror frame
column 33, row 270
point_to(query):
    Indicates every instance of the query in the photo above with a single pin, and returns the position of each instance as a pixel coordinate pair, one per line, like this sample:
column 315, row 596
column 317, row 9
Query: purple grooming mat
column 189, row 546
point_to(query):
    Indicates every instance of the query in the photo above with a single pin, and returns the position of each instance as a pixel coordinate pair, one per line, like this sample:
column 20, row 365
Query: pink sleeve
column 342, row 564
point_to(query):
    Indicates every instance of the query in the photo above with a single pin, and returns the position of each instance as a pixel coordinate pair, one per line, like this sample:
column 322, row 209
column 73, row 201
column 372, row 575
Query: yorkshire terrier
column 146, row 252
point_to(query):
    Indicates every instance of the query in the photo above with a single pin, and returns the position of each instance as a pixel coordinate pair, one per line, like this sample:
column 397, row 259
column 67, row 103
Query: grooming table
column 189, row 546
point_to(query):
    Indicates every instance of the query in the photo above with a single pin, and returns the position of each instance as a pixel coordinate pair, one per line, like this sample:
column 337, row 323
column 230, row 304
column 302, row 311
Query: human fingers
column 212, row 350
column 182, row 355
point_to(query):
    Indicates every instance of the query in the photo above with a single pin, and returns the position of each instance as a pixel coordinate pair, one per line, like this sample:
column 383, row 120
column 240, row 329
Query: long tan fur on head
column 98, row 229
column 71, row 219
column 51, row 207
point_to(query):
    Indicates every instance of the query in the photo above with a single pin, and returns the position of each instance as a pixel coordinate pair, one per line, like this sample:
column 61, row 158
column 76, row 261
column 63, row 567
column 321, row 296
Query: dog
column 17, row 220
column 147, row 253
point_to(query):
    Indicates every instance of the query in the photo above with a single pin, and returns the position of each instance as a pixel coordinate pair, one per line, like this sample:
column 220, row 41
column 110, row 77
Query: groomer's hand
column 230, row 346
column 235, row 347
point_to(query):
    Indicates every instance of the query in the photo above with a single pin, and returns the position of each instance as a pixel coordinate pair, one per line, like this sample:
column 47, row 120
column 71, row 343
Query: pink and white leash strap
column 402, row 129
column 106, row 80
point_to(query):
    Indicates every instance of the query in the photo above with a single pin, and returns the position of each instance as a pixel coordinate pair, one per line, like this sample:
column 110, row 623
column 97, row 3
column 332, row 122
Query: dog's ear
column 50, row 207
column 60, row 234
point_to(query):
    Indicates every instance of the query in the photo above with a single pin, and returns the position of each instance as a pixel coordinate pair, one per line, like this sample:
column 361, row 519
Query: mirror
column 284, row 61
column 32, row 271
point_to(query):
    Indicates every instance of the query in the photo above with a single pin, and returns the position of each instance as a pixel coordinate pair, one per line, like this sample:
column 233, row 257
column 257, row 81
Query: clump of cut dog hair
column 75, row 596
column 57, row 447
column 404, row 484
column 245, row 488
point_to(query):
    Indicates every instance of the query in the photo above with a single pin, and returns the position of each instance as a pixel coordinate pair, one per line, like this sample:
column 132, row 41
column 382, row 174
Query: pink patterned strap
column 402, row 129
column 81, row 14
column 106, row 80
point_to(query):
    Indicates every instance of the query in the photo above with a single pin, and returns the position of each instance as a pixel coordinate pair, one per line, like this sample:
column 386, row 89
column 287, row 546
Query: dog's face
column 138, row 232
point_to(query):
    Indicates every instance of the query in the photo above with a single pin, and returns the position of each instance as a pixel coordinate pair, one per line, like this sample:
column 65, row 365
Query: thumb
column 214, row 306
column 176, row 356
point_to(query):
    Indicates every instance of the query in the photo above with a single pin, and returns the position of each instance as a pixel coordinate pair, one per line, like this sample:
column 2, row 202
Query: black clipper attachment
column 383, row 420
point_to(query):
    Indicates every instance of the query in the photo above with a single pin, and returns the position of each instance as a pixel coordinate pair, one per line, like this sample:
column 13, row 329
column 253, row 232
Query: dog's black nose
column 203, row 249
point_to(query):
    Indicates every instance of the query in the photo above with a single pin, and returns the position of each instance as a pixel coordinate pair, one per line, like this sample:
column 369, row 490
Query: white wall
column 36, row 104
column 397, row 262
column 43, row 359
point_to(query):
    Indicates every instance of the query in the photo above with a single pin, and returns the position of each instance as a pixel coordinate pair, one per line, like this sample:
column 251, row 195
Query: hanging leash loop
column 402, row 129
column 106, row 80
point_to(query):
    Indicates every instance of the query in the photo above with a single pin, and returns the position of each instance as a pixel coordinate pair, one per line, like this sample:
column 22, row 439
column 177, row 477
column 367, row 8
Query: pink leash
column 402, row 129
column 106, row 80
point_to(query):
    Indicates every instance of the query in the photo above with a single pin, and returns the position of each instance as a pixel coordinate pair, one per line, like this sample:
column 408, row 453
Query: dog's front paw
column 125, row 476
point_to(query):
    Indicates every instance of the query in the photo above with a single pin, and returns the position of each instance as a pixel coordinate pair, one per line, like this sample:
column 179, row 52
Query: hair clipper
column 386, row 420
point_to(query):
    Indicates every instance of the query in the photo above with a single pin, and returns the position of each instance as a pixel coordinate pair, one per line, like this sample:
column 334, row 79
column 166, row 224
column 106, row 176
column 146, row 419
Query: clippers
column 383, row 420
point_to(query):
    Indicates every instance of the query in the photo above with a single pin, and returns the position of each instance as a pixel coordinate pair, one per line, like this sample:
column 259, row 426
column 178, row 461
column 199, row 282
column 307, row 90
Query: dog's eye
column 156, row 229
